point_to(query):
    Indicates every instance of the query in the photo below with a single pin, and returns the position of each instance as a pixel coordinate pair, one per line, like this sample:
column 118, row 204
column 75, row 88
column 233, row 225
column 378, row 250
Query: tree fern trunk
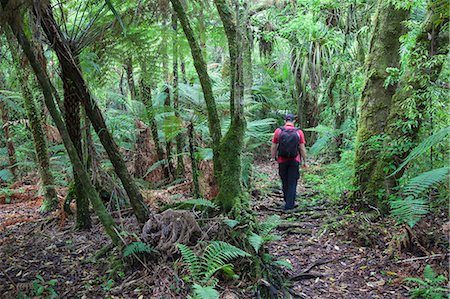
column 66, row 58
column 73, row 124
column 49, row 94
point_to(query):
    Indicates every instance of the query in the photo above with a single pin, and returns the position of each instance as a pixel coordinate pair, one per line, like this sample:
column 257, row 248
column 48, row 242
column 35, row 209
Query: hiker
column 288, row 149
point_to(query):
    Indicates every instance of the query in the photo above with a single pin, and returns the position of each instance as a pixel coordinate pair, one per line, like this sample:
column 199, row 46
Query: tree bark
column 194, row 164
column 73, row 124
column 376, row 102
column 179, row 172
column 130, row 78
column 402, row 129
column 9, row 143
column 65, row 57
column 230, row 185
column 205, row 81
column 48, row 91
column 40, row 143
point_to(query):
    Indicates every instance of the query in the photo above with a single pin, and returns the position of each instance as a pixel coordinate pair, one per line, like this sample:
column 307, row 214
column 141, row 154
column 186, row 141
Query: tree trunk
column 205, row 81
column 376, row 102
column 40, row 143
column 169, row 159
column 183, row 70
column 194, row 164
column 66, row 59
column 146, row 95
column 9, row 142
column 402, row 129
column 130, row 78
column 73, row 124
column 179, row 173
column 48, row 91
column 230, row 185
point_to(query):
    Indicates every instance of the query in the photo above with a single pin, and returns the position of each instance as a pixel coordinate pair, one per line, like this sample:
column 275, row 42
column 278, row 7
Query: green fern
column 256, row 241
column 424, row 146
column 215, row 257
column 192, row 203
column 191, row 260
column 137, row 247
column 431, row 286
column 424, row 181
column 411, row 209
column 206, row 292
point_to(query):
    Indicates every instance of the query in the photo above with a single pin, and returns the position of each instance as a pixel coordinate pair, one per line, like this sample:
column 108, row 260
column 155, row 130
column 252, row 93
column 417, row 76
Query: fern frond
column 207, row 292
column 198, row 202
column 137, row 247
column 218, row 254
column 256, row 241
column 270, row 223
column 409, row 210
column 192, row 261
column 424, row 181
column 424, row 146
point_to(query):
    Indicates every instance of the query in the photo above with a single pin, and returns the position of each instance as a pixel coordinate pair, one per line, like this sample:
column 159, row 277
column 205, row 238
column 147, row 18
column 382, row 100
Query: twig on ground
column 422, row 258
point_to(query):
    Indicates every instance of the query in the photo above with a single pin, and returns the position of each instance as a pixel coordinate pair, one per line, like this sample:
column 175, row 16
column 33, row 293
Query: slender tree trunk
column 194, row 164
column 73, row 124
column 230, row 192
column 9, row 143
column 169, row 159
column 40, row 143
column 183, row 70
column 48, row 91
column 130, row 78
column 179, row 173
column 376, row 102
column 66, row 59
column 146, row 96
column 205, row 81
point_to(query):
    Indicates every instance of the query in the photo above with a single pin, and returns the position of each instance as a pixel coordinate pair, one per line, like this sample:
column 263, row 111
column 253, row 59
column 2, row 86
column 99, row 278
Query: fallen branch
column 422, row 258
column 307, row 275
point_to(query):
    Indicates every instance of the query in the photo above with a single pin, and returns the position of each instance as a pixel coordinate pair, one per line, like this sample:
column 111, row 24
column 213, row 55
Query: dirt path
column 328, row 266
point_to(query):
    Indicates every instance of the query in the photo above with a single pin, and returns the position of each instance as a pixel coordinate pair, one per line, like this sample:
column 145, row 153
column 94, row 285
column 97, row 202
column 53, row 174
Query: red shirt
column 276, row 139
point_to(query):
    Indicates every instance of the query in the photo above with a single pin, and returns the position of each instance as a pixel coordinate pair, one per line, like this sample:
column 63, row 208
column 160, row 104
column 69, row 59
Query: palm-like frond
column 411, row 209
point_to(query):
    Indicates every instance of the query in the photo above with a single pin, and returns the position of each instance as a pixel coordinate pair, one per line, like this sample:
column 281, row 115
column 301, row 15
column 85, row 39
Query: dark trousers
column 289, row 173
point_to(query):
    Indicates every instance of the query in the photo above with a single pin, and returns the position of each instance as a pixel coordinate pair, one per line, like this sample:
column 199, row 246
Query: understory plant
column 215, row 257
column 432, row 286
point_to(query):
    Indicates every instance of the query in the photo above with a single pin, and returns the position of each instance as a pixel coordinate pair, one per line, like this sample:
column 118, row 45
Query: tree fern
column 411, row 209
column 137, row 247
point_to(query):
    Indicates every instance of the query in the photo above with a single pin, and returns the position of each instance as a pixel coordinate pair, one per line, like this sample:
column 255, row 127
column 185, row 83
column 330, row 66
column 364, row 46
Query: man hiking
column 288, row 148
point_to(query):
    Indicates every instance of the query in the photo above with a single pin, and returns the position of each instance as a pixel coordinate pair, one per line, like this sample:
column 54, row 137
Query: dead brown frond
column 163, row 231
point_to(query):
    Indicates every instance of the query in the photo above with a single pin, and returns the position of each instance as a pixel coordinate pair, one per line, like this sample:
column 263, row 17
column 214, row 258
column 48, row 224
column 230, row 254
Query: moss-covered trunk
column 205, row 81
column 9, row 143
column 194, row 163
column 130, row 78
column 376, row 102
column 66, row 58
column 73, row 124
column 230, row 185
column 49, row 94
column 34, row 118
column 179, row 172
column 422, row 71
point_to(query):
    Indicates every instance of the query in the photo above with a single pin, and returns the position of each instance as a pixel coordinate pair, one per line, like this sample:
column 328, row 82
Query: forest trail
column 326, row 265
column 327, row 260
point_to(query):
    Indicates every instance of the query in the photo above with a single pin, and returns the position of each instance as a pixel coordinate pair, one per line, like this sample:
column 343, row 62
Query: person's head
column 289, row 118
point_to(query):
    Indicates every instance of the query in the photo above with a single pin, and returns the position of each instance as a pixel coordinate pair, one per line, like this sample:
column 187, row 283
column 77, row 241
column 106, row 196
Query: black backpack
column 288, row 142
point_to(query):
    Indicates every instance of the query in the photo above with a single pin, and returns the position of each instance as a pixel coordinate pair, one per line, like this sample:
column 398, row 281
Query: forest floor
column 335, row 253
